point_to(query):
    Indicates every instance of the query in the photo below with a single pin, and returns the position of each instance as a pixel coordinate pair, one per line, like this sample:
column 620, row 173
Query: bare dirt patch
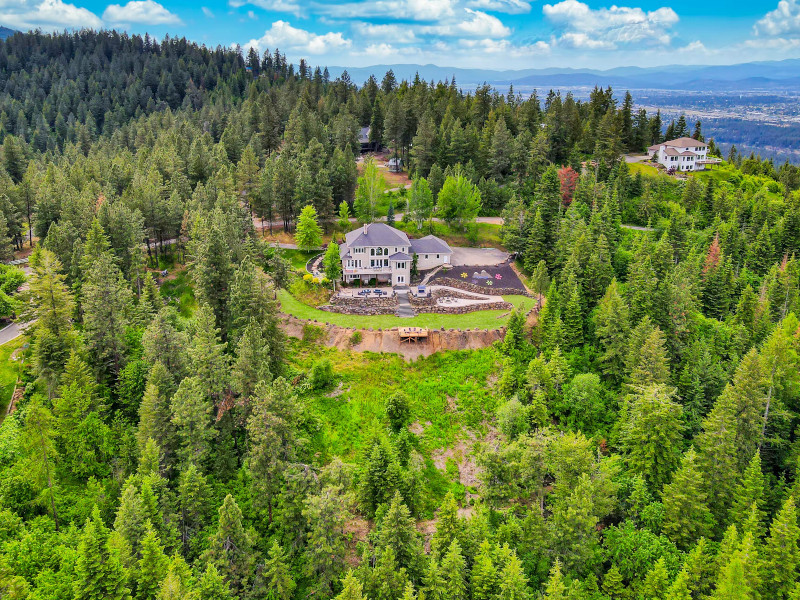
column 418, row 428
column 460, row 453
column 389, row 340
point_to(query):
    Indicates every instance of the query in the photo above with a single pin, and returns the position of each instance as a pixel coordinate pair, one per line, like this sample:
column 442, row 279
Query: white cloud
column 512, row 7
column 607, row 27
column 286, row 6
column 475, row 24
column 578, row 39
column 252, row 15
column 400, row 34
column 48, row 15
column 506, row 48
column 481, row 24
column 414, row 10
column 207, row 12
column 785, row 19
column 146, row 12
column 299, row 41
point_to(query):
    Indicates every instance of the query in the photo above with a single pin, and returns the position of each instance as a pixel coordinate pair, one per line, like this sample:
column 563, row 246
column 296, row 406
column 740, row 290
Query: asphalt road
column 12, row 331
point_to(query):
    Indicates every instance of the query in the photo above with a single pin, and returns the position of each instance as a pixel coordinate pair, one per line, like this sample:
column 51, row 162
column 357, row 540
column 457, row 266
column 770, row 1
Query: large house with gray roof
column 378, row 251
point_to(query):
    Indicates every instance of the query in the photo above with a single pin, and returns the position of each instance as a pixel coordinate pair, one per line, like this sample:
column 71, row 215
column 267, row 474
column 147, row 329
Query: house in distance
column 378, row 251
column 683, row 154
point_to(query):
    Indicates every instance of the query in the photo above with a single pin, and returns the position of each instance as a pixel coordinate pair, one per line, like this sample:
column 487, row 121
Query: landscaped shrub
column 397, row 410
column 321, row 375
column 356, row 338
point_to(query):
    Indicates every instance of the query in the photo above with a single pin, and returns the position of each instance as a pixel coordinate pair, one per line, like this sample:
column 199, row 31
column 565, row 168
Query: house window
column 400, row 279
column 385, row 262
column 372, row 251
column 437, row 256
column 426, row 257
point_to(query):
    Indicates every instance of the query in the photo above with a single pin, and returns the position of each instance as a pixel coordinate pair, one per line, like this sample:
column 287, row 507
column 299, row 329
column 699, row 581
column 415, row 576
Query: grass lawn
column 298, row 258
column 483, row 319
column 488, row 234
column 9, row 370
column 449, row 394
column 643, row 168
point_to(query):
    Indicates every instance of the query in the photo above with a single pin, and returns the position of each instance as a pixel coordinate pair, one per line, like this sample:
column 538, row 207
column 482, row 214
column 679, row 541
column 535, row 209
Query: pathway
column 404, row 308
column 431, row 274
column 11, row 332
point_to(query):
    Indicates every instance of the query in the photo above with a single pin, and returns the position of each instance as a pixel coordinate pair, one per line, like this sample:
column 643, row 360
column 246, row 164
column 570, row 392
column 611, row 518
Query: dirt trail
column 388, row 340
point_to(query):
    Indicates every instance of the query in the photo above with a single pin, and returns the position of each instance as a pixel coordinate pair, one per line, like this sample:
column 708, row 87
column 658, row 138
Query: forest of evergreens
column 637, row 439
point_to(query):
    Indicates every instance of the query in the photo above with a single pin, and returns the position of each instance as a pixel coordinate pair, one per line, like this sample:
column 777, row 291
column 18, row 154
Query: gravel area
column 487, row 277
column 477, row 257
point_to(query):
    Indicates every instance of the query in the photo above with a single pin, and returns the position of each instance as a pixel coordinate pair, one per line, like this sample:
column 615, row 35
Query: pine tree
column 781, row 552
column 448, row 525
column 99, row 574
column 749, row 494
column 536, row 246
column 179, row 583
column 152, row 567
column 555, row 589
column 483, row 576
column 277, row 576
column 513, row 582
column 613, row 330
column 434, row 581
column 717, row 458
column 351, row 588
column 309, row 234
column 332, row 263
column 651, row 435
column 572, row 312
column 652, row 366
column 454, row 571
column 326, row 546
column 679, row 589
column 656, row 581
column 213, row 587
column 686, row 513
column 398, row 532
column 613, row 584
column 231, row 550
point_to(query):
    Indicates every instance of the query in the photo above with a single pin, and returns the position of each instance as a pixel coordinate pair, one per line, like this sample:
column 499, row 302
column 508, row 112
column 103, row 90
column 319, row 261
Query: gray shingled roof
column 377, row 234
column 430, row 244
column 344, row 251
column 400, row 256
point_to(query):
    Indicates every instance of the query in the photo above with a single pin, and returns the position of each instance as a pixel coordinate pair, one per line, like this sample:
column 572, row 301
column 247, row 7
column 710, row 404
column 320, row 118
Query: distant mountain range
column 766, row 75
column 5, row 32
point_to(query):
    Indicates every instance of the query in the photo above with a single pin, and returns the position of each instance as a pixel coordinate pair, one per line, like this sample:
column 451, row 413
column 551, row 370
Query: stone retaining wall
column 478, row 289
column 371, row 302
column 461, row 310
column 360, row 310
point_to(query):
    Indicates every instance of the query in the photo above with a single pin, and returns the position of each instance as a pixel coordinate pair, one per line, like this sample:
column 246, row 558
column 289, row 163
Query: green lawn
column 298, row 258
column 8, row 372
column 484, row 319
column 643, row 168
column 488, row 234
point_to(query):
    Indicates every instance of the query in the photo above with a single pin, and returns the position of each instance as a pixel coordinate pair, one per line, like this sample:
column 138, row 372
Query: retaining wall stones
column 478, row 289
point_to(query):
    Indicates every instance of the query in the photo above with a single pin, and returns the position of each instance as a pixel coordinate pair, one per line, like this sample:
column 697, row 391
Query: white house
column 384, row 253
column 683, row 154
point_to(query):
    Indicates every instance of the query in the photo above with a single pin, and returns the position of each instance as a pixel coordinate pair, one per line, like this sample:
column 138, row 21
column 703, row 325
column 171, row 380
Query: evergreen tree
column 651, row 433
column 99, row 574
column 231, row 550
column 613, row 330
column 454, row 571
column 213, row 587
column 309, row 234
column 277, row 576
column 152, row 567
column 782, row 553
column 351, row 588
column 686, row 513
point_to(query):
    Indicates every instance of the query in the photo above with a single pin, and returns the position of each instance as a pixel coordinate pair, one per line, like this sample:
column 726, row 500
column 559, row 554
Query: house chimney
column 365, row 229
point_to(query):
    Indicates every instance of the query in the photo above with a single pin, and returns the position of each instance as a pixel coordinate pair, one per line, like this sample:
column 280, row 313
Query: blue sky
column 463, row 33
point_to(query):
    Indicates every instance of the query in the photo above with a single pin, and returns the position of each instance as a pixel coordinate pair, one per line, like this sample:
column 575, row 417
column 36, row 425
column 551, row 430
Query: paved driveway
column 477, row 257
